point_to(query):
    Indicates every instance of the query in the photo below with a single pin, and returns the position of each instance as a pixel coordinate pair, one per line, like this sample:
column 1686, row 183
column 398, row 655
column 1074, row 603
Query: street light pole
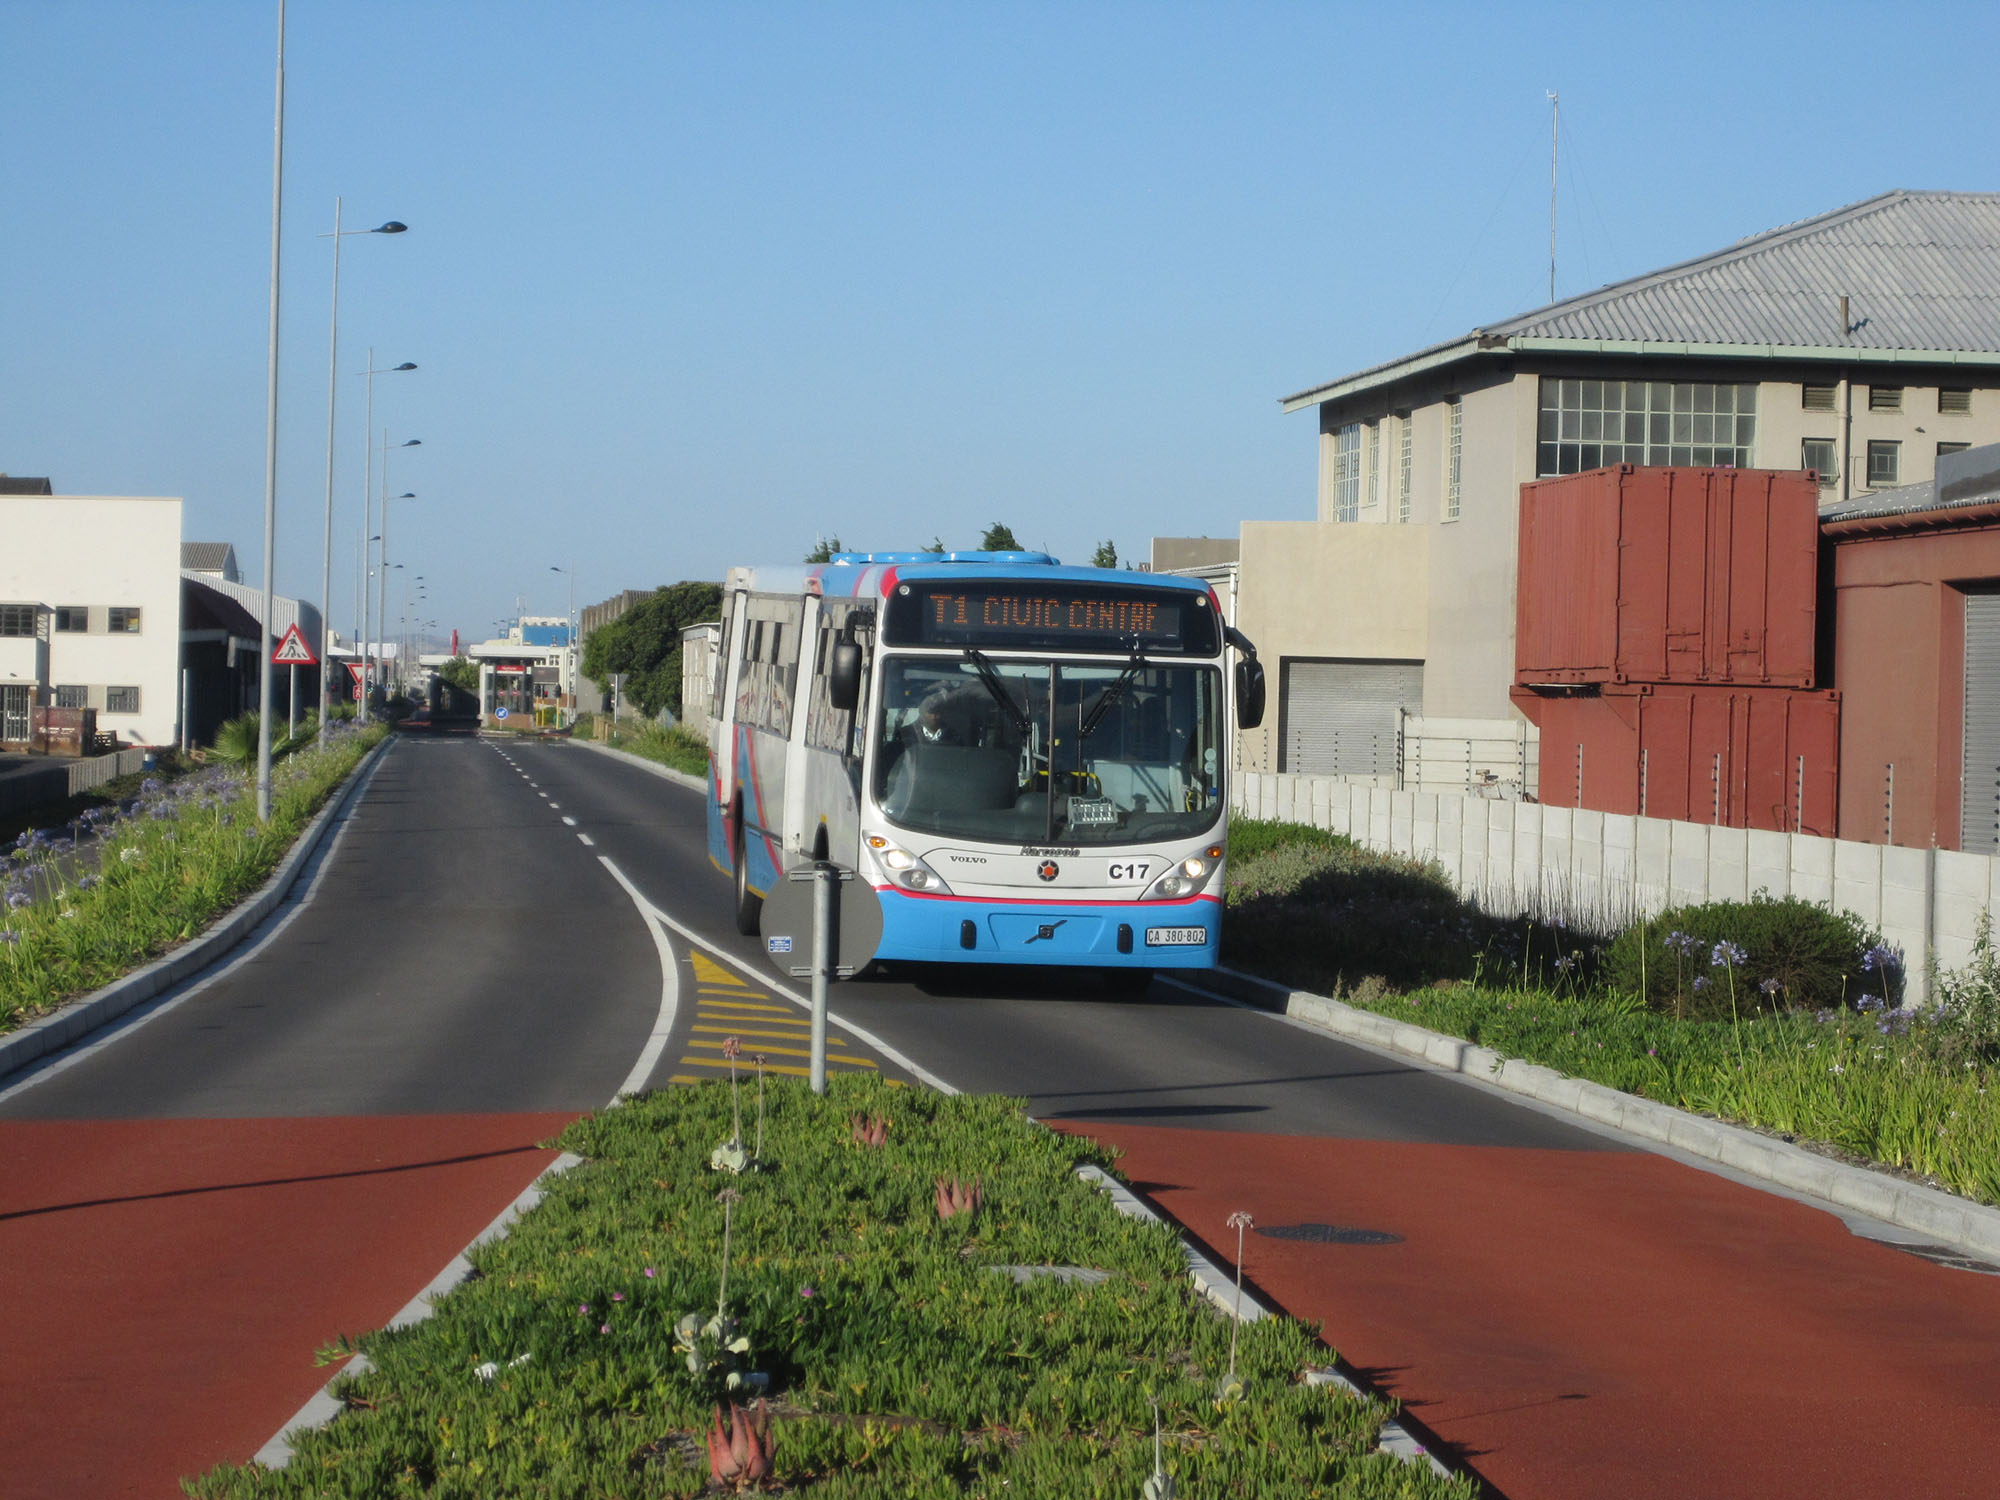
column 271, row 443
column 382, row 557
column 361, row 562
column 569, row 640
column 332, row 391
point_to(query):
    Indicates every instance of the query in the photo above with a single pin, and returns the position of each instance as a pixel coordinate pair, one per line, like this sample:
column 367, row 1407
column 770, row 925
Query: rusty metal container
column 1733, row 756
column 1668, row 575
column 62, row 731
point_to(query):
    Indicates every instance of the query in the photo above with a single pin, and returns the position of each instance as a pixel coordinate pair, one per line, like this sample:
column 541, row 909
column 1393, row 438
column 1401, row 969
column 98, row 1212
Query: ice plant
column 1231, row 1388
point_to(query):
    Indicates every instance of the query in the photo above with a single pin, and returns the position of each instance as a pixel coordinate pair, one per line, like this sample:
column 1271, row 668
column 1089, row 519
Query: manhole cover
column 1329, row 1234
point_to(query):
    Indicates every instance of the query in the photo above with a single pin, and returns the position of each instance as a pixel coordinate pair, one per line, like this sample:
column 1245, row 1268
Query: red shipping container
column 1734, row 756
column 1668, row 575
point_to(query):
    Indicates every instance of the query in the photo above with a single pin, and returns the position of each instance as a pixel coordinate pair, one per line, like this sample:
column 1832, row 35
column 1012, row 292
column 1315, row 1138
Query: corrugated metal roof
column 1920, row 270
column 208, row 557
column 1964, row 479
column 285, row 613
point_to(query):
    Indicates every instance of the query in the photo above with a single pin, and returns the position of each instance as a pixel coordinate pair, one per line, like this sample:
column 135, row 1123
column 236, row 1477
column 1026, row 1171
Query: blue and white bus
column 1026, row 761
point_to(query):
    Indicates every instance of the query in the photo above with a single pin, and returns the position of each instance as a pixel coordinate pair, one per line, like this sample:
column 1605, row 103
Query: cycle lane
column 1581, row 1323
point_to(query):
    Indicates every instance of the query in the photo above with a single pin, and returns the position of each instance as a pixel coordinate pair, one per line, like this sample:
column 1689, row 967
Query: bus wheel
column 749, row 905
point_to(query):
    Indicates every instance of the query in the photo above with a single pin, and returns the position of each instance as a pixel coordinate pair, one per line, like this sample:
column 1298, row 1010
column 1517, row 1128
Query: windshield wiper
column 998, row 690
column 1087, row 726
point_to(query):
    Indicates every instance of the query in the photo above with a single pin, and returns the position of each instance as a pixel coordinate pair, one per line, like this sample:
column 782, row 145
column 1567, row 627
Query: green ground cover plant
column 895, row 1354
column 1780, row 1015
column 675, row 745
column 128, row 879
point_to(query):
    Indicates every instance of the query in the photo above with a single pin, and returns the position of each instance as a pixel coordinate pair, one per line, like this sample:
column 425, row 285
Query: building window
column 1454, row 469
column 72, row 617
column 1374, row 465
column 1885, row 398
column 124, row 620
column 1954, row 401
column 18, row 619
column 1822, row 454
column 1883, row 463
column 121, row 700
column 1816, row 397
column 1944, row 448
column 1403, row 468
column 72, row 695
column 1587, row 424
column 1347, row 472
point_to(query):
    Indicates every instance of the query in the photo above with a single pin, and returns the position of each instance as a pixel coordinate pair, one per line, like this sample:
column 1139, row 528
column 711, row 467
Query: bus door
column 722, row 733
column 797, row 838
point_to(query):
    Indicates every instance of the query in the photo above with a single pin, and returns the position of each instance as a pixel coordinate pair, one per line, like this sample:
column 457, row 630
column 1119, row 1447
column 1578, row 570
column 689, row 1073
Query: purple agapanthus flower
column 1726, row 952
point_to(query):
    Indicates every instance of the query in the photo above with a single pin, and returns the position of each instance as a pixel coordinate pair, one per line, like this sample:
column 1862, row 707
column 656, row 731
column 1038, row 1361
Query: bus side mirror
column 1249, row 693
column 843, row 676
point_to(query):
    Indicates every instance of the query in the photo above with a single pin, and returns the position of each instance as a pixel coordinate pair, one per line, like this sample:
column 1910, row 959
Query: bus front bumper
column 1182, row 934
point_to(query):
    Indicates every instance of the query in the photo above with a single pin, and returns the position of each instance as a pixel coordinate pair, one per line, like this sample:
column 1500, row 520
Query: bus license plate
column 1176, row 937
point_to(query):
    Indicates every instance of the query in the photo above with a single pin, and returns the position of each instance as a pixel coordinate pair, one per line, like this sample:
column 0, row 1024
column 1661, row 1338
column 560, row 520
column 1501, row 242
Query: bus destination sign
column 1076, row 617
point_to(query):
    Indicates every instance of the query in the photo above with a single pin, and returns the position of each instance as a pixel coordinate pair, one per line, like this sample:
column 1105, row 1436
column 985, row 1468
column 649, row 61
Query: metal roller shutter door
column 1979, row 804
column 1340, row 718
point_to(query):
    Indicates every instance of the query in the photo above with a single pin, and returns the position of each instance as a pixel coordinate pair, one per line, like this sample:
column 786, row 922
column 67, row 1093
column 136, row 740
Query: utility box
column 1689, row 576
column 1736, row 757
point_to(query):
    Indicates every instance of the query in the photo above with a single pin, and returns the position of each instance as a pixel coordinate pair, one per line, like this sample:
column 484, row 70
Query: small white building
column 90, row 610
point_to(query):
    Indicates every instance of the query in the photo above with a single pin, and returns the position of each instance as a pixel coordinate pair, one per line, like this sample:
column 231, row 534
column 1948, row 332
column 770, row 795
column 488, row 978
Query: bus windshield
column 1049, row 751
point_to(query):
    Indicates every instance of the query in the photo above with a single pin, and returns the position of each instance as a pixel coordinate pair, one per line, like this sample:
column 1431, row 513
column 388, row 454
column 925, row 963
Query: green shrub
column 1796, row 955
column 1250, row 837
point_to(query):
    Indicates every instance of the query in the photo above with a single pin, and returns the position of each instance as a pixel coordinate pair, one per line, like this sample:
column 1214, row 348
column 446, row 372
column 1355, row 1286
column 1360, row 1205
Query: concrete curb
column 679, row 778
column 1943, row 1217
column 55, row 1031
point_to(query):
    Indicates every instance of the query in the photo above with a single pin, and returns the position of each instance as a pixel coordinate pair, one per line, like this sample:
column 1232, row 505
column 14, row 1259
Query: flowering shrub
column 1962, row 1025
column 1780, row 954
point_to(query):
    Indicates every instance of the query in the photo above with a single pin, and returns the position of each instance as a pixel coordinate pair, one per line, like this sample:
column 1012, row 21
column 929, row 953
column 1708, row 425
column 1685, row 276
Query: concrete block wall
column 1605, row 870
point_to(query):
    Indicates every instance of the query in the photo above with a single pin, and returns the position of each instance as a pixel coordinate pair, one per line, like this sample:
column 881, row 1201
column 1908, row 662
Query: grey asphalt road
column 462, row 952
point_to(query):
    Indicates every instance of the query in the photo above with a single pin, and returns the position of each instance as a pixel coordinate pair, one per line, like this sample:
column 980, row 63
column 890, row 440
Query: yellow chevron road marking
column 742, row 1067
column 708, row 971
column 847, row 1065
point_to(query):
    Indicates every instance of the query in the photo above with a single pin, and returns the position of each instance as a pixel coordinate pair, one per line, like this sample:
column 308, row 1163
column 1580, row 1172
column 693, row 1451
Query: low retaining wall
column 1605, row 870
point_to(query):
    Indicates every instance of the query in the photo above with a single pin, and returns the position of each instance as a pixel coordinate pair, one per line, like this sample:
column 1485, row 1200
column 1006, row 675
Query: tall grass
column 80, row 907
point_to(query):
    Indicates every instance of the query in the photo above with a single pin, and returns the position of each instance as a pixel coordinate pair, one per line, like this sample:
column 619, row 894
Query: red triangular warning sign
column 293, row 651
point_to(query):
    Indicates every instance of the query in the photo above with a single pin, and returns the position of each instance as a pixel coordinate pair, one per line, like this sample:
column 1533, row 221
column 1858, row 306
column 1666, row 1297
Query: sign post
column 292, row 651
column 840, row 918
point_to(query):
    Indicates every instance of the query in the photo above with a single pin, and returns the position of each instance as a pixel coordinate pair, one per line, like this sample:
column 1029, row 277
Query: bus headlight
column 1169, row 886
column 906, row 870
column 1194, row 868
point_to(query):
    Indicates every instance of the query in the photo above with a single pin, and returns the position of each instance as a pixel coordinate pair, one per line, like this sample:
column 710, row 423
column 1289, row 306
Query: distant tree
column 1106, row 555
column 645, row 644
column 824, row 548
column 937, row 545
column 461, row 672
column 999, row 537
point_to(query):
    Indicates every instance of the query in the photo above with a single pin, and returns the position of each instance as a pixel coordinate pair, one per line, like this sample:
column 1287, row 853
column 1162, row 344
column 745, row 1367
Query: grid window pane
column 1347, row 473
column 1820, row 454
column 17, row 619
column 1644, row 422
column 72, row 617
column 124, row 619
column 70, row 695
column 1884, row 462
column 121, row 700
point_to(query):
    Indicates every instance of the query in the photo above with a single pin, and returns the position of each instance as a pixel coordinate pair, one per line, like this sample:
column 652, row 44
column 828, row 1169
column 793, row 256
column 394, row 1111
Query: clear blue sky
column 690, row 284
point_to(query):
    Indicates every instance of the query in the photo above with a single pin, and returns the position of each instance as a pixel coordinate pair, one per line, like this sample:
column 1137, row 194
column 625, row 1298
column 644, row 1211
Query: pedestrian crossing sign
column 293, row 651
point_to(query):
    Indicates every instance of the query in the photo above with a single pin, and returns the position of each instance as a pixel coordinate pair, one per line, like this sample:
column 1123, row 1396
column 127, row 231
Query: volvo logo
column 1047, row 930
column 1047, row 869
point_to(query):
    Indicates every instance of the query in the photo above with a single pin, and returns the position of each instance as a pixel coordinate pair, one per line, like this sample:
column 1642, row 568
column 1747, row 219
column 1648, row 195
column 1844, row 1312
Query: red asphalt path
column 1580, row 1324
column 167, row 1281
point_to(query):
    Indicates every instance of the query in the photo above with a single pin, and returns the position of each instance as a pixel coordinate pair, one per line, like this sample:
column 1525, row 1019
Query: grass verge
column 128, row 880
column 901, row 1359
column 1387, row 934
column 677, row 747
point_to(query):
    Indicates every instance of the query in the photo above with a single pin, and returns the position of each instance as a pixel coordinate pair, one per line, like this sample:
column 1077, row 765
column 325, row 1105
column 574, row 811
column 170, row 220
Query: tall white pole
column 271, row 444
column 382, row 569
column 326, row 572
column 1555, row 116
column 367, row 502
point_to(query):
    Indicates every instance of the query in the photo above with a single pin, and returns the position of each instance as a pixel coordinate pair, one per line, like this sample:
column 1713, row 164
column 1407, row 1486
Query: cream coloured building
column 1861, row 344
column 90, row 611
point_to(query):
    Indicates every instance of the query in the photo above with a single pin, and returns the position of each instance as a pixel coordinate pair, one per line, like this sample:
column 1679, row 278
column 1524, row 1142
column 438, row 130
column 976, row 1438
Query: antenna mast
column 1555, row 112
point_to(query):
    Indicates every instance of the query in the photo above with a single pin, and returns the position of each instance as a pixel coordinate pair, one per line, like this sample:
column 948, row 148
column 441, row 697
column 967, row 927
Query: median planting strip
column 886, row 1300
